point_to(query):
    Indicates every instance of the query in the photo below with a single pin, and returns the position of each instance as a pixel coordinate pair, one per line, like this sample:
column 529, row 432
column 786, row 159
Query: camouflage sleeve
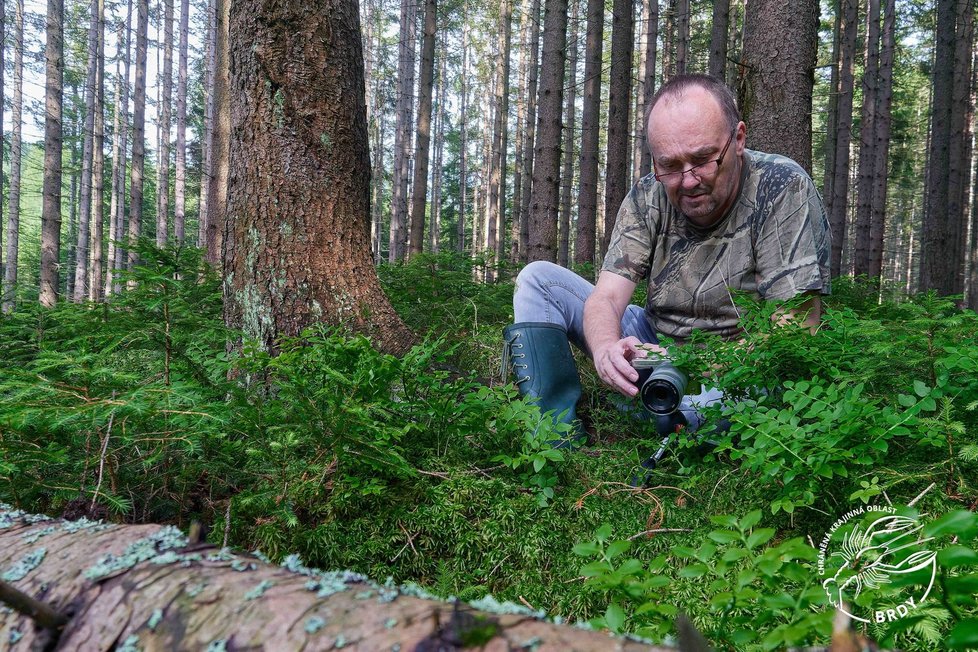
column 793, row 243
column 630, row 248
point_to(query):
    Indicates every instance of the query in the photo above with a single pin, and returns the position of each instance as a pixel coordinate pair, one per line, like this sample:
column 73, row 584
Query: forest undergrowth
column 429, row 469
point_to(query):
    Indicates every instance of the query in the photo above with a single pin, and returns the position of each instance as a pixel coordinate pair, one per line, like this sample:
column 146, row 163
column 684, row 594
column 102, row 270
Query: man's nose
column 690, row 180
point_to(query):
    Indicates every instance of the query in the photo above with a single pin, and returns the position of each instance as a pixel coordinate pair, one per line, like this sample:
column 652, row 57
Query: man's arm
column 602, row 330
column 808, row 313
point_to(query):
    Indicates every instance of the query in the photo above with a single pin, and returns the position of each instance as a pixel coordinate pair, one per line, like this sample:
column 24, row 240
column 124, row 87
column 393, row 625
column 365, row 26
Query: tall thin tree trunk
column 648, row 89
column 463, row 128
column 529, row 136
column 832, row 117
column 638, row 140
column 207, row 146
column 180, row 183
column 959, row 149
column 51, row 198
column 839, row 201
column 221, row 137
column 570, row 115
column 619, row 92
column 587, row 195
column 884, row 100
column 682, row 36
column 80, row 290
column 867, row 155
column 426, row 79
column 402, row 139
column 718, row 39
column 98, row 166
column 937, row 271
column 545, row 192
column 9, row 295
column 514, row 234
column 434, row 239
column 668, row 41
column 138, row 132
column 497, row 174
column 165, row 109
column 119, row 147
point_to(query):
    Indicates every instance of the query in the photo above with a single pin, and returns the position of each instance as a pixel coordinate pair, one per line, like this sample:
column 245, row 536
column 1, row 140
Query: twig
column 227, row 525
column 437, row 474
column 101, row 461
column 37, row 611
column 660, row 530
column 527, row 604
column 921, row 495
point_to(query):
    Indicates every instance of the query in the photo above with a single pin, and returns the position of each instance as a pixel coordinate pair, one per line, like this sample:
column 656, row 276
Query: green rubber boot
column 539, row 356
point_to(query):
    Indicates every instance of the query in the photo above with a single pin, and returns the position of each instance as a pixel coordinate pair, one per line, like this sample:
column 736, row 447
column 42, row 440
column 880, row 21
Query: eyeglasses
column 701, row 171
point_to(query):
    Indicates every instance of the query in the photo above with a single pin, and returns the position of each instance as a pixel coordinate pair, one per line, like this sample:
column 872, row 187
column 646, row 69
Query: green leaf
column 759, row 536
column 957, row 556
column 725, row 520
column 615, row 548
column 920, row 389
column 614, row 617
column 959, row 522
column 733, row 554
column 905, row 400
column 586, row 549
column 750, row 520
column 724, row 536
column 693, row 571
column 964, row 635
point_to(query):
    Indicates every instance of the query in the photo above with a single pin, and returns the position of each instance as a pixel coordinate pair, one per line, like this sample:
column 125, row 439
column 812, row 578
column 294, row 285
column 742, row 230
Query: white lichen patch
column 131, row 644
column 220, row 645
column 492, row 605
column 145, row 549
column 313, row 624
column 84, row 524
column 15, row 636
column 390, row 623
column 10, row 517
column 154, row 620
column 259, row 590
column 340, row 642
column 20, row 569
column 32, row 537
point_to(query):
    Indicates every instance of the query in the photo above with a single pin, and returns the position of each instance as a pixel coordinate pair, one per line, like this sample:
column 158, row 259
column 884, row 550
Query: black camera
column 661, row 385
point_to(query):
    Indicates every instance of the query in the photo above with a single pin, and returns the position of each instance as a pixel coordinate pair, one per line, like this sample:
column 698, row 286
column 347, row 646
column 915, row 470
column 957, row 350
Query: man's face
column 690, row 132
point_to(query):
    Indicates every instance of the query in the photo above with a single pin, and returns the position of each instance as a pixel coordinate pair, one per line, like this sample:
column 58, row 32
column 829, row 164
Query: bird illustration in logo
column 873, row 554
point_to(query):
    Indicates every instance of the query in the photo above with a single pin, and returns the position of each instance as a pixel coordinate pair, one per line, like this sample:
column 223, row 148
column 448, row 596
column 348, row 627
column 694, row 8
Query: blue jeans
column 549, row 293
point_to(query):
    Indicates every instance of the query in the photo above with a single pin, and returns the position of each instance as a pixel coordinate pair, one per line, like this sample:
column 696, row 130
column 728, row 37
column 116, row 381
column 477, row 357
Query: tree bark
column 51, row 199
column 463, row 141
column 587, row 194
column 9, row 294
column 959, row 176
column 426, row 82
column 496, row 207
column 529, row 136
column 884, row 100
column 95, row 290
column 682, row 36
column 545, row 192
column 207, row 146
column 80, row 271
column 138, row 131
column 777, row 77
column 146, row 587
column 119, row 144
column 648, row 89
column 300, row 180
column 619, row 105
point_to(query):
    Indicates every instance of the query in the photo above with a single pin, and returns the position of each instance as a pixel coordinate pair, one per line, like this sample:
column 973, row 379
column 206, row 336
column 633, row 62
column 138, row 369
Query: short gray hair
column 678, row 85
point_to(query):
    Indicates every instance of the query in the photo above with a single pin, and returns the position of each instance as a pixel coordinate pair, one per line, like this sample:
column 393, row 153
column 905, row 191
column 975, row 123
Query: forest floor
column 429, row 469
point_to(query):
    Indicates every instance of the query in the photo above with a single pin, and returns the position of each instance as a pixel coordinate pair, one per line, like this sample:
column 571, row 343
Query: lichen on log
column 142, row 587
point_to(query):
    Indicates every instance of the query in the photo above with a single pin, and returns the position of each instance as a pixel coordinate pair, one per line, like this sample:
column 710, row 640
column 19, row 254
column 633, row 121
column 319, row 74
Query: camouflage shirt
column 774, row 242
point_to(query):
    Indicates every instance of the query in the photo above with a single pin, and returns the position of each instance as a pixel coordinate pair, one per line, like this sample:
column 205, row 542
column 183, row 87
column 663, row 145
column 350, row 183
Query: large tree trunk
column 682, row 36
column 207, row 146
column 138, row 132
column 426, row 80
column 619, row 104
column 180, row 182
column 51, row 200
column 937, row 270
column 959, row 150
column 298, row 239
column 867, row 147
column 570, row 115
column 587, row 195
column 545, row 192
column 145, row 587
column 777, row 76
column 8, row 295
column 463, row 129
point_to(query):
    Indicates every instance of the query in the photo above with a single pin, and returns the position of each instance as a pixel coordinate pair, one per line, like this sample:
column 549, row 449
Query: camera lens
column 663, row 390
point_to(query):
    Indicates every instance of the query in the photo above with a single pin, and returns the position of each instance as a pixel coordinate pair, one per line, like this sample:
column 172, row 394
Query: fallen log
column 144, row 587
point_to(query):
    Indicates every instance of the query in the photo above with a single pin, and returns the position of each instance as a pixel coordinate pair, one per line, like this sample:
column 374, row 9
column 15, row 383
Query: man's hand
column 613, row 363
